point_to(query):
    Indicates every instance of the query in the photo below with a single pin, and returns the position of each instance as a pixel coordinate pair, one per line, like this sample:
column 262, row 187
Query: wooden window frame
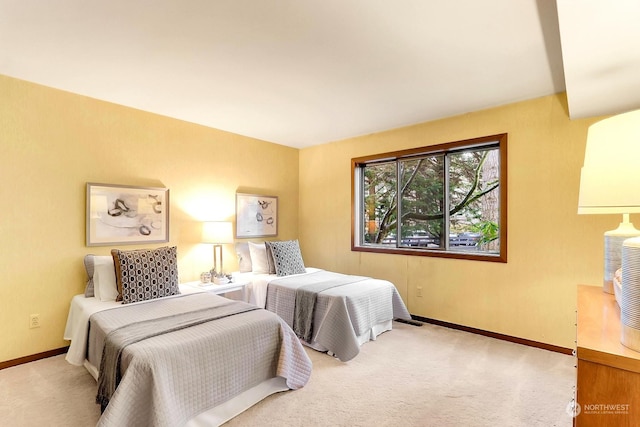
column 356, row 167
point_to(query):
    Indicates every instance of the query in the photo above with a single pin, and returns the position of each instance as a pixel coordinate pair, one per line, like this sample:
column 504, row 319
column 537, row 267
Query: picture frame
column 256, row 215
column 125, row 214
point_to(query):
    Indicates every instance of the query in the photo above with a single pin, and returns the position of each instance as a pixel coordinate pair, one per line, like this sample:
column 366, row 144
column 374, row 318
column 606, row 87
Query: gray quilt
column 171, row 377
column 309, row 286
column 341, row 313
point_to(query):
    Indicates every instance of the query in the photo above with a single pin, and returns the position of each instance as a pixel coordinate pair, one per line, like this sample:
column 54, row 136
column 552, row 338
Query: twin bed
column 175, row 355
column 188, row 358
column 344, row 316
column 348, row 310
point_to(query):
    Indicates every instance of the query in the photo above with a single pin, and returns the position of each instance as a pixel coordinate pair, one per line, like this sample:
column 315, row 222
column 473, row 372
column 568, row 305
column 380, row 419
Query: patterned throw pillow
column 145, row 274
column 287, row 257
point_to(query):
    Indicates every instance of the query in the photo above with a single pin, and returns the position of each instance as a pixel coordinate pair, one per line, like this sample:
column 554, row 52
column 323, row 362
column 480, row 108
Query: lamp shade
column 217, row 232
column 611, row 172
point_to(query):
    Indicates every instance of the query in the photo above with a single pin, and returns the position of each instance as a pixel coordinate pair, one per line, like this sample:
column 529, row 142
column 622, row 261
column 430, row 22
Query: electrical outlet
column 419, row 291
column 34, row 321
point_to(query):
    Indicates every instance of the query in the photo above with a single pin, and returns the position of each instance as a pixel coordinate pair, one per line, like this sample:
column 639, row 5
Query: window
column 447, row 200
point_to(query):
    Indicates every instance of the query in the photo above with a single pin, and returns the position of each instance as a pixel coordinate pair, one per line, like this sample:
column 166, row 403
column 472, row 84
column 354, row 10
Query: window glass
column 423, row 201
column 474, row 203
column 379, row 203
column 445, row 200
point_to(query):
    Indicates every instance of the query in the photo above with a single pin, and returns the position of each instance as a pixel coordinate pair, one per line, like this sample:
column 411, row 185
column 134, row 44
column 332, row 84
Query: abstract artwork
column 122, row 214
column 256, row 216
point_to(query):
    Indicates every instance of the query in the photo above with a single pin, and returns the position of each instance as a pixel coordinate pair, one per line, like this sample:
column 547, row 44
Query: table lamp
column 608, row 181
column 217, row 233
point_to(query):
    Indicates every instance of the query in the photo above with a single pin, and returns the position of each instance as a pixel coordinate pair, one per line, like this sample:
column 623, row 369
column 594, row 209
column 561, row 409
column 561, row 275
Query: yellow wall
column 550, row 247
column 52, row 143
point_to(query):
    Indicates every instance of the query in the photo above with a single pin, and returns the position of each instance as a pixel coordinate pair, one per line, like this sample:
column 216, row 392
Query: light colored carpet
column 411, row 376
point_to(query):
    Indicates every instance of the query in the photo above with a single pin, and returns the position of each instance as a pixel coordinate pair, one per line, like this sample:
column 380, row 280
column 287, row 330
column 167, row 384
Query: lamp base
column 630, row 297
column 630, row 337
column 613, row 240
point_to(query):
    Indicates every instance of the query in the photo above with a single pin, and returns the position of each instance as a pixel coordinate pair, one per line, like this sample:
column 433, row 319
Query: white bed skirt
column 366, row 337
column 231, row 408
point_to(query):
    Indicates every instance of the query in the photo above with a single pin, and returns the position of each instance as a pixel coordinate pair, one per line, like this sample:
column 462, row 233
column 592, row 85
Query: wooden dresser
column 608, row 386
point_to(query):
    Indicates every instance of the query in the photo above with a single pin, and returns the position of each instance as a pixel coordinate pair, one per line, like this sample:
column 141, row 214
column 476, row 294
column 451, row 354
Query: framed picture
column 256, row 216
column 122, row 214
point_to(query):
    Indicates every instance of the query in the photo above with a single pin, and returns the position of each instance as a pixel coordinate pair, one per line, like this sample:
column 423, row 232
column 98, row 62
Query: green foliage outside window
column 448, row 200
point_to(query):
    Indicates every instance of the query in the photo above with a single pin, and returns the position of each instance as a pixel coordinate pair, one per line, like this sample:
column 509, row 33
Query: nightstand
column 221, row 289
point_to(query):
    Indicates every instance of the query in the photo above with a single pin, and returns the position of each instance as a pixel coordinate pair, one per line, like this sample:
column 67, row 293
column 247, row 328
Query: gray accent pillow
column 89, row 267
column 244, row 257
column 270, row 262
column 287, row 257
column 145, row 274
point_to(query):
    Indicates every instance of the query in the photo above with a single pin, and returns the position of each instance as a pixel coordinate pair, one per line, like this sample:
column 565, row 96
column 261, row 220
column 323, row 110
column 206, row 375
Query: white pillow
column 244, row 257
column 259, row 263
column 104, row 279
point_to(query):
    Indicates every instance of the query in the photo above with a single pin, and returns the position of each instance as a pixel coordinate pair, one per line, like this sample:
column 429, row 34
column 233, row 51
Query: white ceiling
column 307, row 72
